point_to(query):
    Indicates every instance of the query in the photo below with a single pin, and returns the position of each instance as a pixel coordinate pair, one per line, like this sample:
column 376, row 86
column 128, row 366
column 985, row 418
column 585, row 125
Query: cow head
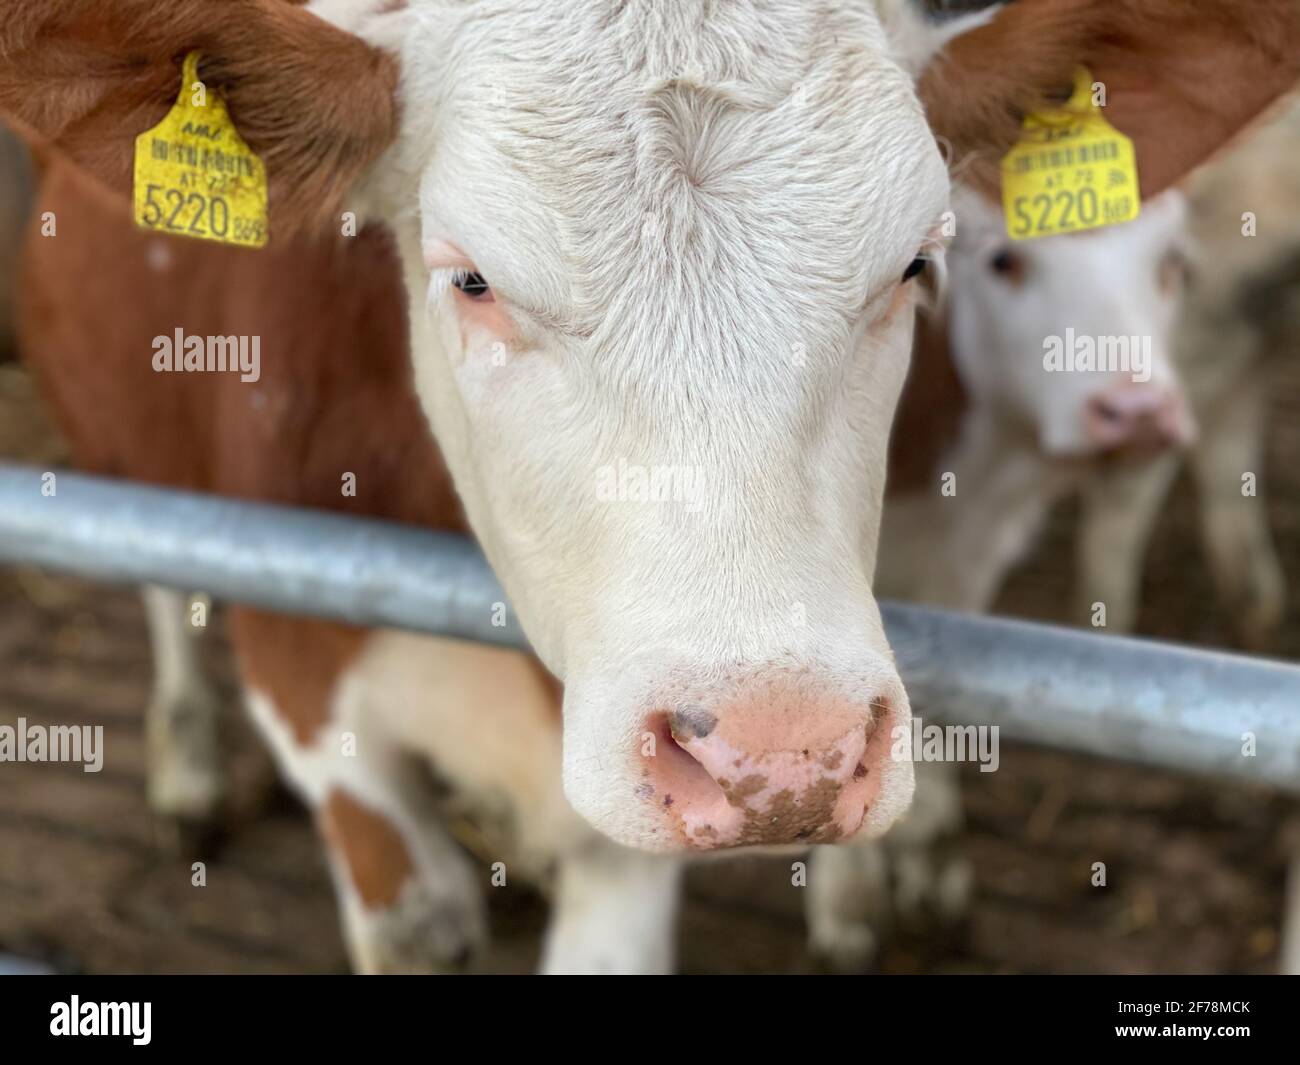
column 1072, row 336
column 661, row 292
column 660, row 261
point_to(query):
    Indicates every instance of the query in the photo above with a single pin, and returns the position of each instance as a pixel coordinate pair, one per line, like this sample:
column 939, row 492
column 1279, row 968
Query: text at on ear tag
column 1071, row 170
column 195, row 176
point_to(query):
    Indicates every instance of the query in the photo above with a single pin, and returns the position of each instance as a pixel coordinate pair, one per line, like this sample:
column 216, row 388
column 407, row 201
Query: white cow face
column 1071, row 335
column 660, row 264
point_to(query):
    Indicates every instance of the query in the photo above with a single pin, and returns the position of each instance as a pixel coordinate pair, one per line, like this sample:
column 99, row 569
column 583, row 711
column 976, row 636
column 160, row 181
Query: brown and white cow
column 673, row 236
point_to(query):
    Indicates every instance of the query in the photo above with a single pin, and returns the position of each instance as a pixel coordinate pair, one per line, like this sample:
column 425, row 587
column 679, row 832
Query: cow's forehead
column 587, row 151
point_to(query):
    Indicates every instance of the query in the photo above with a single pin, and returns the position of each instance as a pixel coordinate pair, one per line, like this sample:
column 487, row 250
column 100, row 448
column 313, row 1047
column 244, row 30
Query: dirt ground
column 89, row 882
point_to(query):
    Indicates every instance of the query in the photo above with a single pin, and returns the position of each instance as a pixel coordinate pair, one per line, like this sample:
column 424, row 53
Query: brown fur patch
column 1181, row 78
column 335, row 395
column 84, row 77
column 297, row 663
column 376, row 856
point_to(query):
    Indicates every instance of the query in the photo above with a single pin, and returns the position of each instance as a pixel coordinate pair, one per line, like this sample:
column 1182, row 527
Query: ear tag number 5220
column 1071, row 170
column 195, row 176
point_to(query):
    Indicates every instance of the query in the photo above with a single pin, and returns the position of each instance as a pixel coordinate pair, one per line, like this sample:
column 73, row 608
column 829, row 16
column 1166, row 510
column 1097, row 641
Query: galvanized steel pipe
column 1139, row 700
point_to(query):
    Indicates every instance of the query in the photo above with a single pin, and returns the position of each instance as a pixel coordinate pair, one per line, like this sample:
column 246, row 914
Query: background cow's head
column 1071, row 337
column 659, row 249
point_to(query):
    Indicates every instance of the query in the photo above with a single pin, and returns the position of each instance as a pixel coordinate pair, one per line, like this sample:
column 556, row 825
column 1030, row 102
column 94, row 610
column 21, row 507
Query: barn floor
column 89, row 882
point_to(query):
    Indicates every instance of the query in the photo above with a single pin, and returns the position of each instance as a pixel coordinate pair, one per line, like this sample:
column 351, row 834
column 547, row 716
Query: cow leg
column 490, row 720
column 181, row 724
column 614, row 912
column 847, row 904
column 409, row 896
column 858, row 891
column 1120, row 506
column 1235, row 526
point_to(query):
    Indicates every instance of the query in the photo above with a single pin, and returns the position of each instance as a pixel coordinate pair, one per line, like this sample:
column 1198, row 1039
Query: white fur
column 615, row 913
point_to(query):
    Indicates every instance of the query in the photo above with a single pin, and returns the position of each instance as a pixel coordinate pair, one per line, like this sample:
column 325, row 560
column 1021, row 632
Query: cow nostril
column 679, row 777
column 1105, row 409
column 691, row 722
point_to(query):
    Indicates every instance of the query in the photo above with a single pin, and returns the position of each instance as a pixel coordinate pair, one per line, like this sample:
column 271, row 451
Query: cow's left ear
column 1181, row 78
column 83, row 78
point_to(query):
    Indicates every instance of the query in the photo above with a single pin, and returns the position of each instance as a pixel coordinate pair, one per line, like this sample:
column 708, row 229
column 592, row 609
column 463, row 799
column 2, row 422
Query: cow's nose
column 1138, row 415
column 768, row 770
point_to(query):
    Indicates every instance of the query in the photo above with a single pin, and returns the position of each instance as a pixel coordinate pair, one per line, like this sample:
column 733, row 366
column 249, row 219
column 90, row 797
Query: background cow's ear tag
column 195, row 176
column 1071, row 170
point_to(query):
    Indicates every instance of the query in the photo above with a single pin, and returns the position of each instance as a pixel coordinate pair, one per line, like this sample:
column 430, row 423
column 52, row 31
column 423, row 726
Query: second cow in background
column 1202, row 292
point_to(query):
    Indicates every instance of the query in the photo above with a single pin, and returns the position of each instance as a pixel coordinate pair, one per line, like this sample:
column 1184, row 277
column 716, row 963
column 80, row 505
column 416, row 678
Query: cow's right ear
column 1181, row 78
column 82, row 78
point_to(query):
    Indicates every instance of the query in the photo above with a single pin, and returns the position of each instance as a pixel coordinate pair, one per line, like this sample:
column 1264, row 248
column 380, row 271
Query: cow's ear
column 82, row 78
column 1181, row 78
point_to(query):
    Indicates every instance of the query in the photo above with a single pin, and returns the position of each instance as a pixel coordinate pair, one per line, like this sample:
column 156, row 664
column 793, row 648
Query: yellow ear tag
column 1071, row 170
column 195, row 176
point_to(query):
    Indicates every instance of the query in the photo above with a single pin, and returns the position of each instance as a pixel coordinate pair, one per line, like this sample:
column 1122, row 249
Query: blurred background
column 90, row 882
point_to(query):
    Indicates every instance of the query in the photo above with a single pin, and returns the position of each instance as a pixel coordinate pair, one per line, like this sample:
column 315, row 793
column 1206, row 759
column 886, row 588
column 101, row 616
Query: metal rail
column 1130, row 699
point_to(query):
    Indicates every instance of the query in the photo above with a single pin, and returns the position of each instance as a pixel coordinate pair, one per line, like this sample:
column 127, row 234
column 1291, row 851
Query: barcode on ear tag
column 1071, row 170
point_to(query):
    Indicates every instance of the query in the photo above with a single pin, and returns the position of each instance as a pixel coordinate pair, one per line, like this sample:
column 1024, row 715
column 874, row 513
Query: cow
column 1030, row 434
column 1026, row 426
column 629, row 234
column 1204, row 280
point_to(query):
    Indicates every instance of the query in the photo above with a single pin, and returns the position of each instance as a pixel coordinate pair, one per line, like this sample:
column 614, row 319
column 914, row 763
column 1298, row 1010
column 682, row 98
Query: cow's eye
column 1174, row 270
column 471, row 284
column 915, row 267
column 1007, row 264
